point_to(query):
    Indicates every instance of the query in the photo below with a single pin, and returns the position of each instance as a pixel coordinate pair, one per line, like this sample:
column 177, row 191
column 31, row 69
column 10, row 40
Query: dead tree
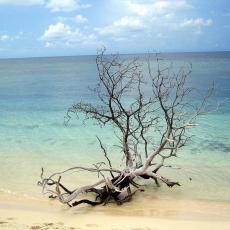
column 150, row 109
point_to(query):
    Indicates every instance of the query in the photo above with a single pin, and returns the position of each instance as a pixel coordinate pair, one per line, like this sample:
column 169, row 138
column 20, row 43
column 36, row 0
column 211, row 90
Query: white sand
column 155, row 214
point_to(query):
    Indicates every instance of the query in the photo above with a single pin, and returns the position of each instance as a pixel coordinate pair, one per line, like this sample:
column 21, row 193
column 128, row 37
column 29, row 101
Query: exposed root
column 119, row 189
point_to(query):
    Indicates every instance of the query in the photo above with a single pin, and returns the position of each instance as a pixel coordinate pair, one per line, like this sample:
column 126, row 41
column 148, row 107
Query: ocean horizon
column 216, row 53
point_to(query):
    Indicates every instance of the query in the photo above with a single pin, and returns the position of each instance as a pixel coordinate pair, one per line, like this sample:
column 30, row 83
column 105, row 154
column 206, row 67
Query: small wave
column 7, row 191
column 18, row 194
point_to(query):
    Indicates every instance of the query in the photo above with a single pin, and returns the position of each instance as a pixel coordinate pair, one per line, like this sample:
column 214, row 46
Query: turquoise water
column 36, row 92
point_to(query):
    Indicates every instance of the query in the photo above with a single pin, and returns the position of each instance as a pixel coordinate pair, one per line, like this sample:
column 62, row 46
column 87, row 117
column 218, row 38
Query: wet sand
column 149, row 214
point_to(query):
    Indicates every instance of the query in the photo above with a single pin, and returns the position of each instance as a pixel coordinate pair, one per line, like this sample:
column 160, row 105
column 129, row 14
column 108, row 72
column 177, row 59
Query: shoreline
column 159, row 214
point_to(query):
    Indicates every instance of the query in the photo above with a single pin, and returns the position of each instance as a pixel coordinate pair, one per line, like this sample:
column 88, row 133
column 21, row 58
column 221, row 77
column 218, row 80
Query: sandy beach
column 154, row 214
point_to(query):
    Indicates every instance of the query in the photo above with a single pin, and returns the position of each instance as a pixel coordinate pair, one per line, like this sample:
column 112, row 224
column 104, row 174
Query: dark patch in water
column 61, row 124
column 30, row 127
column 214, row 146
column 50, row 141
column 47, row 139
column 194, row 150
column 8, row 139
column 56, row 124
column 92, row 142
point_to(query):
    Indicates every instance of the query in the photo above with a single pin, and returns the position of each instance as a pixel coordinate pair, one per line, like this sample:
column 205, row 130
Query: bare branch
column 151, row 113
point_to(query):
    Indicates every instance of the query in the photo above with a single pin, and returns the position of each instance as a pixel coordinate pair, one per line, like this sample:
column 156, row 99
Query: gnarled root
column 118, row 189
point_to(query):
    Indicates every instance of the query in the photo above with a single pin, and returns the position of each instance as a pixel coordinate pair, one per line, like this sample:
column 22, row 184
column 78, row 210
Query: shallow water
column 35, row 94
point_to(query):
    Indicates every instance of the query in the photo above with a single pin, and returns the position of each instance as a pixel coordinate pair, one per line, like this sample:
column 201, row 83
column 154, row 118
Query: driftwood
column 150, row 127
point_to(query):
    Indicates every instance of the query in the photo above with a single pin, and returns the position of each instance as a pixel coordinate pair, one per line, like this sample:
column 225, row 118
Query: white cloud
column 156, row 7
column 79, row 19
column 60, row 34
column 65, row 5
column 196, row 25
column 5, row 37
column 197, row 22
column 153, row 21
column 53, row 5
column 145, row 18
column 21, row 2
column 123, row 25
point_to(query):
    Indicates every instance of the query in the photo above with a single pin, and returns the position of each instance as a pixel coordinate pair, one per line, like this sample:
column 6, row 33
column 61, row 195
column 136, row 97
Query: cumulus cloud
column 151, row 20
column 65, row 5
column 60, row 34
column 155, row 7
column 144, row 18
column 21, row 2
column 123, row 25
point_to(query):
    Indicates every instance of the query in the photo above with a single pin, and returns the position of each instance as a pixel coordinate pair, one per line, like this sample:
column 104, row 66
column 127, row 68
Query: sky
column 33, row 28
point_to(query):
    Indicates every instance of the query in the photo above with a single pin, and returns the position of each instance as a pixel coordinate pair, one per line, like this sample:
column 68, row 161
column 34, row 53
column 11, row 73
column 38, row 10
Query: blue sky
column 30, row 28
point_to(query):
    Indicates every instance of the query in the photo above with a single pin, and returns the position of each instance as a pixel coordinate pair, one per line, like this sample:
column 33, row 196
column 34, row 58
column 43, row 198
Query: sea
column 35, row 94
